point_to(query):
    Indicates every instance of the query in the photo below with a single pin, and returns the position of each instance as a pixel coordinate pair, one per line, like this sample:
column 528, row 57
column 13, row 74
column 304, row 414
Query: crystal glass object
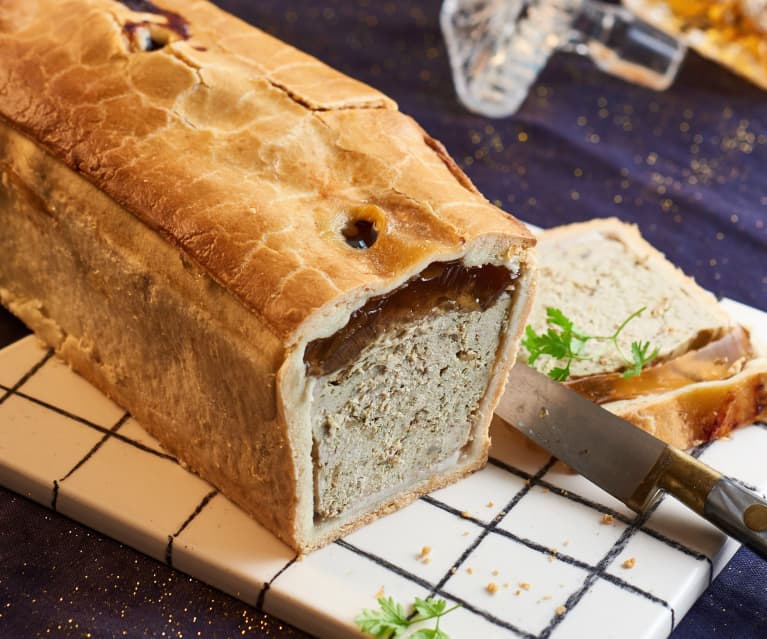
column 497, row 48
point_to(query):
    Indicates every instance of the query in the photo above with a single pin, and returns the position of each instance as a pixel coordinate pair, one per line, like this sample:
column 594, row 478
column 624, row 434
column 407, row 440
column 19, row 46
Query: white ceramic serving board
column 523, row 520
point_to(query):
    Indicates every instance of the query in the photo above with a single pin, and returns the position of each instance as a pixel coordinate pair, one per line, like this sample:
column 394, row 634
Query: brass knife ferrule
column 676, row 472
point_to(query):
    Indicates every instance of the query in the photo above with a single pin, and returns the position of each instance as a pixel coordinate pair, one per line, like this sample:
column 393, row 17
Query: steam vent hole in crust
column 147, row 35
column 363, row 225
column 397, row 390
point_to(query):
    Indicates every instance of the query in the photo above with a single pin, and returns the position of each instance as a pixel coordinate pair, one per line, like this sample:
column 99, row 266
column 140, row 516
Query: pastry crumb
column 453, row 570
column 566, row 542
column 524, row 585
column 492, row 587
column 470, row 570
column 607, row 519
column 465, row 534
column 629, row 563
column 547, row 597
column 466, row 515
column 495, row 572
column 381, row 592
column 505, row 584
column 426, row 560
column 517, row 592
column 490, row 504
column 561, row 610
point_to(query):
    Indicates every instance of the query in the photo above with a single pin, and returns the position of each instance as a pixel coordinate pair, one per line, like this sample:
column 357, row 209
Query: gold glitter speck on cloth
column 82, row 584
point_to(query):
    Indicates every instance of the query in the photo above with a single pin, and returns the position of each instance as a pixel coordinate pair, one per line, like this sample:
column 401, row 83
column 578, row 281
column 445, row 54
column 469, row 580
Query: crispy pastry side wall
column 231, row 162
column 147, row 327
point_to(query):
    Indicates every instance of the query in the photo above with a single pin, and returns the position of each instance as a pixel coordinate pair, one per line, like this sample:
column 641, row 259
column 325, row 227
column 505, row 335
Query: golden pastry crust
column 186, row 205
column 285, row 150
column 701, row 412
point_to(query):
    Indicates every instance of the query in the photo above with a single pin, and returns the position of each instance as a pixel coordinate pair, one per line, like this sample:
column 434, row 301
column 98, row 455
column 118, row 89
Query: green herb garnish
column 562, row 342
column 640, row 358
column 392, row 621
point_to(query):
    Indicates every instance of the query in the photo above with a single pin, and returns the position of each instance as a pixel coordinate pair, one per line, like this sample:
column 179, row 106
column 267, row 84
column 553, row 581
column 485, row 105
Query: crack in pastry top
column 246, row 153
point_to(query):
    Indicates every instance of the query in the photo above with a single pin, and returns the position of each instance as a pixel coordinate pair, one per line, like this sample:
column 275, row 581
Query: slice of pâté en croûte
column 708, row 376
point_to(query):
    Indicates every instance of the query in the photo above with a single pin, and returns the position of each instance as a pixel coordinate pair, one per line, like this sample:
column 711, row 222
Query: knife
column 624, row 460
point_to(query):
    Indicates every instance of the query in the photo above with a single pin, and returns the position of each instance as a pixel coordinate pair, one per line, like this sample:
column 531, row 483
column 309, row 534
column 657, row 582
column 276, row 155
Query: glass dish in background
column 497, row 48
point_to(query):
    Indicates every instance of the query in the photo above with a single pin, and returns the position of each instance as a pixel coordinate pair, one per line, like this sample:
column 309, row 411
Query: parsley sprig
column 562, row 342
column 392, row 621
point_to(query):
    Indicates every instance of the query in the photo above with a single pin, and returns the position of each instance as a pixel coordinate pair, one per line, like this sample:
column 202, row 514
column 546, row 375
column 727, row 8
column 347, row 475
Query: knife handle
column 737, row 511
column 740, row 513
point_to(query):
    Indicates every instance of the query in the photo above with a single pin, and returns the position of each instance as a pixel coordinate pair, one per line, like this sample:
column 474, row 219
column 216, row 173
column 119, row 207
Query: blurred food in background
column 732, row 32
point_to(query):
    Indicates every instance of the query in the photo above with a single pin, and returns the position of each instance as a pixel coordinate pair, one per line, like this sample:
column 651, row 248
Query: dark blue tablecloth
column 688, row 166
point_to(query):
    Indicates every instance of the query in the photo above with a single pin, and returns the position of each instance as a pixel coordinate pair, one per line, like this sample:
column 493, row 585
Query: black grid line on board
column 488, row 616
column 98, row 445
column 193, row 515
column 595, row 572
column 562, row 492
column 492, row 525
column 113, row 433
column 385, row 563
column 560, row 556
column 98, row 427
column 268, row 584
column 599, row 570
column 13, row 390
column 608, row 558
column 86, row 457
column 628, row 520
column 433, row 591
column 524, row 541
column 601, row 508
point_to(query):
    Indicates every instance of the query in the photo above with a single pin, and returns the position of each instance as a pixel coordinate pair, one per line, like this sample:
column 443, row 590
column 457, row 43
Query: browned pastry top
column 249, row 155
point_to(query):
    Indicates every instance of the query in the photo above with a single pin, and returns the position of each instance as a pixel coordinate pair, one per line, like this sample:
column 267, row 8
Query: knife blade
column 624, row 460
